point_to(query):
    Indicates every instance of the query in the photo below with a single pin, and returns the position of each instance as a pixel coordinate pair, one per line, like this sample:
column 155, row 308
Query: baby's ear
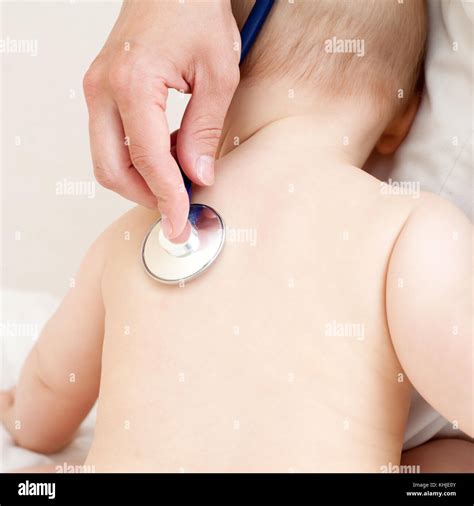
column 398, row 128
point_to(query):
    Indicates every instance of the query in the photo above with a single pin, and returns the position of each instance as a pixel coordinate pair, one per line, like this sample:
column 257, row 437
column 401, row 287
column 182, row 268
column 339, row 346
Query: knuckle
column 206, row 131
column 131, row 74
column 144, row 162
column 120, row 77
column 229, row 77
column 164, row 201
column 105, row 178
column 209, row 137
column 171, row 198
column 163, row 182
column 92, row 82
column 135, row 76
column 232, row 78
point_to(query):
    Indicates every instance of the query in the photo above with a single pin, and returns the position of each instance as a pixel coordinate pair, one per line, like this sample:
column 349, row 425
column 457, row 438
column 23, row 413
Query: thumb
column 201, row 128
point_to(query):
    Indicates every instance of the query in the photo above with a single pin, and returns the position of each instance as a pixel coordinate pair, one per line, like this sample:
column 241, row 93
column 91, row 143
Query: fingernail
column 166, row 226
column 205, row 169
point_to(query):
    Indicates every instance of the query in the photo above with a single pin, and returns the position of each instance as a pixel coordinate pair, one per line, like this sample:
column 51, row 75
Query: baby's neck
column 289, row 119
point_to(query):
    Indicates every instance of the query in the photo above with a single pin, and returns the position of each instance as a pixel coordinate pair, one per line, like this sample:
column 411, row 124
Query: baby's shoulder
column 435, row 233
column 428, row 304
column 434, row 219
column 130, row 226
column 122, row 238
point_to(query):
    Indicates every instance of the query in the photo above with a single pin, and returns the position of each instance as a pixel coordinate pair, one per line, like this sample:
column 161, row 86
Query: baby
column 298, row 349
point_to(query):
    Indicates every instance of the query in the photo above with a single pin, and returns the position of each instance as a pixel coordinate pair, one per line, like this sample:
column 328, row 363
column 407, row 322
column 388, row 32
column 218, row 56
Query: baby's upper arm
column 69, row 349
column 70, row 345
column 59, row 382
column 60, row 379
column 429, row 306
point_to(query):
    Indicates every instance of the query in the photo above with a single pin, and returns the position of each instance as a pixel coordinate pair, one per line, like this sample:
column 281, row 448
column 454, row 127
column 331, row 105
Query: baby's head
column 341, row 47
column 359, row 50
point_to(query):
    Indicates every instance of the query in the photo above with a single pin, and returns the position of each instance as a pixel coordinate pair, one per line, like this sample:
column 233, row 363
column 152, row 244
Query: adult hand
column 189, row 45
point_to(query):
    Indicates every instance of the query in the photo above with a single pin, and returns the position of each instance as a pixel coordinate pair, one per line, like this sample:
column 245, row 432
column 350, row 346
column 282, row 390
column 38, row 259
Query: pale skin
column 156, row 46
column 244, row 368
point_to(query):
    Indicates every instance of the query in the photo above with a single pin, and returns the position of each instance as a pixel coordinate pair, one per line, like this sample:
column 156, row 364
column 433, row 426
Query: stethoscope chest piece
column 173, row 263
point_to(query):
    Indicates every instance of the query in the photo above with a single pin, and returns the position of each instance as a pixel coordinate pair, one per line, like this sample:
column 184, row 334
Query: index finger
column 146, row 130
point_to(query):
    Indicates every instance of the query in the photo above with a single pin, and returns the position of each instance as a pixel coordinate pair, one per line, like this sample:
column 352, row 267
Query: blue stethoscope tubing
column 248, row 35
column 253, row 25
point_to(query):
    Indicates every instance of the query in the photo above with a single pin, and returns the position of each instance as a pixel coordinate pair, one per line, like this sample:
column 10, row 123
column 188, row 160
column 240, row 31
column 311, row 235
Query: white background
column 37, row 107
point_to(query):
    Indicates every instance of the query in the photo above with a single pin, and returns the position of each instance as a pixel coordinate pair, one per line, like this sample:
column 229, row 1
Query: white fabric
column 23, row 314
column 425, row 423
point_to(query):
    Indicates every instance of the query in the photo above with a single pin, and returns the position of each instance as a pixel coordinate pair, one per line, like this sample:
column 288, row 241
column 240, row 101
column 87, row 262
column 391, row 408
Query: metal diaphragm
column 173, row 263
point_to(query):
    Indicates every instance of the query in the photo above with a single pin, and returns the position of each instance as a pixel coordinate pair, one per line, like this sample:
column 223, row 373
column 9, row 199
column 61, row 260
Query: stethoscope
column 174, row 263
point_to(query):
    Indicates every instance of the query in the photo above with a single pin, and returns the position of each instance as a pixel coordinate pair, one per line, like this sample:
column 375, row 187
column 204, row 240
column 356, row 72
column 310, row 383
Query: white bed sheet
column 23, row 314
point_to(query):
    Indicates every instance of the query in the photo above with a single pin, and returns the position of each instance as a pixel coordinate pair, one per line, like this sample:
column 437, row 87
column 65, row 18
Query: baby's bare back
column 278, row 358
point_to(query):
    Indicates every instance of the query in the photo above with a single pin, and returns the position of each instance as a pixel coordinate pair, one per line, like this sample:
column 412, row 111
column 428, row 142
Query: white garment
column 425, row 423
